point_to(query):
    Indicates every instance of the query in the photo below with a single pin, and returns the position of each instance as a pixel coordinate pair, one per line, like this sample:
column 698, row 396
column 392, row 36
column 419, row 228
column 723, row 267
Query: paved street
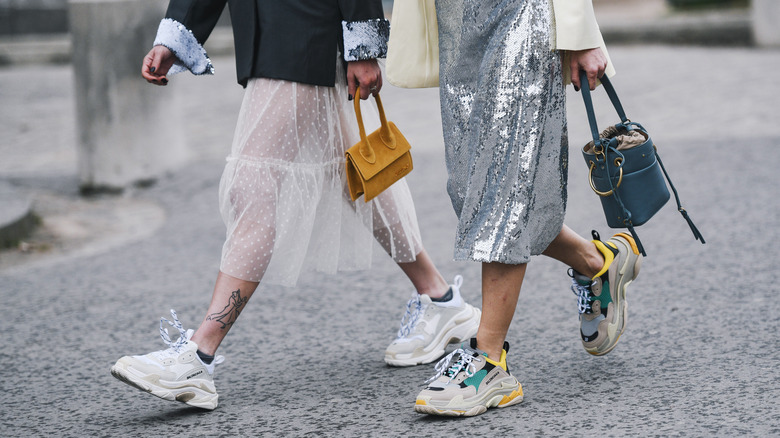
column 699, row 358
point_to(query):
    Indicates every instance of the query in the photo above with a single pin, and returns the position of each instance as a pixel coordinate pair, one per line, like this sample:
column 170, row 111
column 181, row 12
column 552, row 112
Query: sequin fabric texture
column 503, row 114
column 190, row 55
column 365, row 39
column 283, row 194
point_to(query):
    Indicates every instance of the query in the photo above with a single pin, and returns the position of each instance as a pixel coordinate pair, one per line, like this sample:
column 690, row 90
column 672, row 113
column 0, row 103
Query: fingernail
column 164, row 81
column 350, row 97
column 151, row 70
column 576, row 88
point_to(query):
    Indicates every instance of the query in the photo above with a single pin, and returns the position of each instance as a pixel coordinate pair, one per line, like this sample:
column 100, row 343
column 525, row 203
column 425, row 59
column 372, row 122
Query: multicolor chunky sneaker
column 429, row 326
column 175, row 374
column 467, row 383
column 602, row 299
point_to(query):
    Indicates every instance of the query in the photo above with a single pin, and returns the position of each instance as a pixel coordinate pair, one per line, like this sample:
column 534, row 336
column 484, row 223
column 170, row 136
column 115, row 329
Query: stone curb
column 17, row 220
column 57, row 48
column 727, row 28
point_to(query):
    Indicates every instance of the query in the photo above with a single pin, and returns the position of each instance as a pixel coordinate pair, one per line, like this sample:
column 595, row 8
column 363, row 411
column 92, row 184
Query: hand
column 156, row 65
column 592, row 61
column 366, row 75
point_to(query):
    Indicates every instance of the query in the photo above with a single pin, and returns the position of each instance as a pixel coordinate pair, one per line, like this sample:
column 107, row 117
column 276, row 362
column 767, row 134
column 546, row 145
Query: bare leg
column 229, row 298
column 397, row 232
column 575, row 251
column 501, row 285
column 500, row 289
column 424, row 276
column 231, row 293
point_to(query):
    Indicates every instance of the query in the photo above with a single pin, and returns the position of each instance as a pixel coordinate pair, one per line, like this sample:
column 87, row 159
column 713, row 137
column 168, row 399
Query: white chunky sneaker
column 429, row 326
column 175, row 374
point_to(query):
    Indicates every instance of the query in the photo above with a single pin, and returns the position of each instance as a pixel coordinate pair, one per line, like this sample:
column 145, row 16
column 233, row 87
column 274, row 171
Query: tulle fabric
column 283, row 194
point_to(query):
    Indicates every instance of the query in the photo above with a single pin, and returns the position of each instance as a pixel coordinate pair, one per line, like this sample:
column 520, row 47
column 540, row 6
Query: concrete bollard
column 766, row 16
column 130, row 132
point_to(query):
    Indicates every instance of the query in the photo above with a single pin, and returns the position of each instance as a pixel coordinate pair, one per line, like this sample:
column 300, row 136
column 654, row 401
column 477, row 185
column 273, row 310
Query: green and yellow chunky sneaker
column 602, row 299
column 467, row 383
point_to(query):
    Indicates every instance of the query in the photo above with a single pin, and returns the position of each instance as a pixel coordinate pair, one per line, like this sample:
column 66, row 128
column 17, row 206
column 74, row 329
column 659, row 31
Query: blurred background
column 31, row 21
column 104, row 148
column 108, row 218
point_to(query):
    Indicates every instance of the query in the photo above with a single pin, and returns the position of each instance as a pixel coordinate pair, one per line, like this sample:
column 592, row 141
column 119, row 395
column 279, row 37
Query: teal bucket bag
column 625, row 170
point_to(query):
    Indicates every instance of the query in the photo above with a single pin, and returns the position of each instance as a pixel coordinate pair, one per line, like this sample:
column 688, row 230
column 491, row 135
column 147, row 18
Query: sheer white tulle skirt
column 283, row 194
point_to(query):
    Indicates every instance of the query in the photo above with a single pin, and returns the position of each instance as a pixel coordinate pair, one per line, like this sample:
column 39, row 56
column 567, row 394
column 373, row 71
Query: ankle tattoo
column 229, row 314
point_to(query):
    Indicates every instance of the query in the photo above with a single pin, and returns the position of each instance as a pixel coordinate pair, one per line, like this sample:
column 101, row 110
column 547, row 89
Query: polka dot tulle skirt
column 283, row 194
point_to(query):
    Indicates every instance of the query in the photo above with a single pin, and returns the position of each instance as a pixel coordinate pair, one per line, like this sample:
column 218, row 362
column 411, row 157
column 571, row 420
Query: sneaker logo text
column 195, row 374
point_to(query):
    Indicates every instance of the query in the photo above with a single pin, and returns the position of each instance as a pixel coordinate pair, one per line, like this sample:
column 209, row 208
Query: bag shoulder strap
column 613, row 97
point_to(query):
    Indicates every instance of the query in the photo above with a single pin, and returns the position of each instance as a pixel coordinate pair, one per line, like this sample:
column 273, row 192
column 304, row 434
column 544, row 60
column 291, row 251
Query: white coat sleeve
column 576, row 29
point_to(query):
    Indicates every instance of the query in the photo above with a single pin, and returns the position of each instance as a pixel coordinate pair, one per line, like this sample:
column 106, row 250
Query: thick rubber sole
column 189, row 395
column 457, row 333
column 626, row 264
column 500, row 399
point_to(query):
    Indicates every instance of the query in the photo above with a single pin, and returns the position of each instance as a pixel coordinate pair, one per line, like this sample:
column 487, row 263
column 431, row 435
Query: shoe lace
column 450, row 367
column 584, row 294
column 414, row 309
column 184, row 335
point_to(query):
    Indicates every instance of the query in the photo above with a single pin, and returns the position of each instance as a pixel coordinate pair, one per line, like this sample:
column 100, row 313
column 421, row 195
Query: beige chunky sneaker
column 429, row 326
column 175, row 374
column 602, row 299
column 467, row 383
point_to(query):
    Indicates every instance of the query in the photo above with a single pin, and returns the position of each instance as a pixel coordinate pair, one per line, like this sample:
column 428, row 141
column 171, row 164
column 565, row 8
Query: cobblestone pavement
column 699, row 357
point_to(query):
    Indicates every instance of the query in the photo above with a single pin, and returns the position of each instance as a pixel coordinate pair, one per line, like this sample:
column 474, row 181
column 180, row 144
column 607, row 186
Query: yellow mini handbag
column 377, row 160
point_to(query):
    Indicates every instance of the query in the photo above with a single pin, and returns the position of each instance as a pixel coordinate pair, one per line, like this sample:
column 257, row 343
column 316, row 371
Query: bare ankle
column 493, row 351
column 494, row 356
column 436, row 290
column 204, row 344
column 594, row 260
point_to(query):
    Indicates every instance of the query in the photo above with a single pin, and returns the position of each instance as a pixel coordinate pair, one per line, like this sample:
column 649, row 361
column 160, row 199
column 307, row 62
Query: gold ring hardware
column 617, row 161
column 593, row 186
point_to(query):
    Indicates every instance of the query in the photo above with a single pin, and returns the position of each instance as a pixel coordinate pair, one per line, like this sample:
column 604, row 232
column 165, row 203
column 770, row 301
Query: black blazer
column 295, row 40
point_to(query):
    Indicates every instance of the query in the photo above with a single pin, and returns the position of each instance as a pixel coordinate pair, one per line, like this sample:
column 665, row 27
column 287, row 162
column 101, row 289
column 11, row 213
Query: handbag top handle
column 624, row 120
column 366, row 151
column 589, row 103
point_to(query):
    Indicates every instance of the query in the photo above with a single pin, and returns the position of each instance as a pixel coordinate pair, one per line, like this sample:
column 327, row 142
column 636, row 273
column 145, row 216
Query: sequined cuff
column 365, row 39
column 190, row 55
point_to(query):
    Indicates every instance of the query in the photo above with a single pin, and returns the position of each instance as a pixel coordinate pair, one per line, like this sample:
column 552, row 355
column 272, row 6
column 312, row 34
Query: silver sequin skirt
column 504, row 119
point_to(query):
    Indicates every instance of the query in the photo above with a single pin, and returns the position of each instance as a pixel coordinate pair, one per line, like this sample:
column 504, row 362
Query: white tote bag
column 413, row 48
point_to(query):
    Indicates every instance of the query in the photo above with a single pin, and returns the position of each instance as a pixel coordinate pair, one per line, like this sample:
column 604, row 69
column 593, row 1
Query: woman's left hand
column 592, row 61
column 366, row 75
